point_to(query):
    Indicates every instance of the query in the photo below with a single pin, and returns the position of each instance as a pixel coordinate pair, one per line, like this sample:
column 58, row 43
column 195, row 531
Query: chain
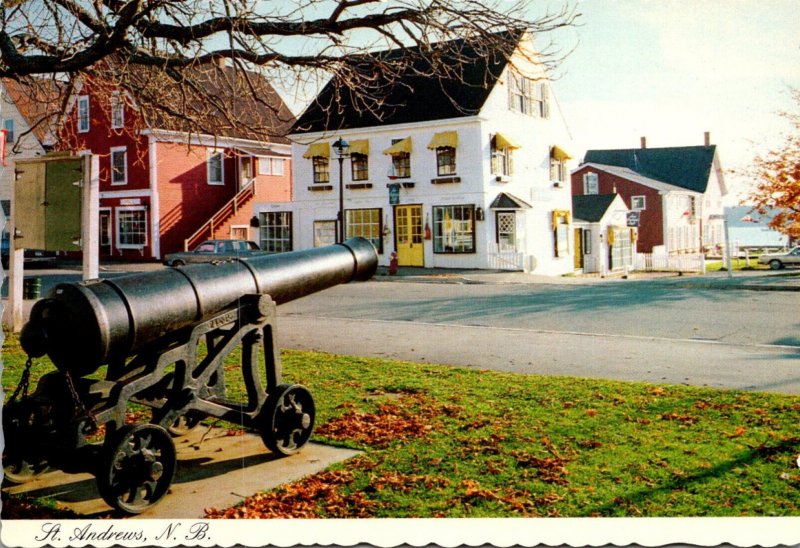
column 24, row 382
column 79, row 406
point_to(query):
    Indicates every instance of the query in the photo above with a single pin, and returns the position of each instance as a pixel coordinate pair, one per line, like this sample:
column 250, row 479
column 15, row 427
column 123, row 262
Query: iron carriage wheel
column 287, row 419
column 137, row 467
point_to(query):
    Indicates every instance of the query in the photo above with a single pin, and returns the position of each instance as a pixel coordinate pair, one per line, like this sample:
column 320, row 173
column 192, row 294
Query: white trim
column 111, row 153
column 209, row 154
column 81, row 99
column 164, row 135
column 117, row 211
column 638, row 197
column 155, row 203
column 308, row 138
column 146, row 193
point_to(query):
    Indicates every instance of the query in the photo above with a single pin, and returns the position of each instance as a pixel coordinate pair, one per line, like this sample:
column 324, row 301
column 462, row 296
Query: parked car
column 213, row 250
column 776, row 261
column 33, row 257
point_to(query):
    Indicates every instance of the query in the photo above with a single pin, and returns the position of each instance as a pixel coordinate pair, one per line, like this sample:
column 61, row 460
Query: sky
column 671, row 70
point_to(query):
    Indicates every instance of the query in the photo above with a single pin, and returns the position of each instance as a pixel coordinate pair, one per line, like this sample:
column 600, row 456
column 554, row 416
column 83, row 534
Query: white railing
column 506, row 259
column 691, row 262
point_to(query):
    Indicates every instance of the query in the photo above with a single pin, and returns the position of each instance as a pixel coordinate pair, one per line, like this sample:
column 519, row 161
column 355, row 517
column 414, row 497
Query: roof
column 413, row 95
column 504, row 200
column 591, row 207
column 36, row 100
column 629, row 174
column 686, row 167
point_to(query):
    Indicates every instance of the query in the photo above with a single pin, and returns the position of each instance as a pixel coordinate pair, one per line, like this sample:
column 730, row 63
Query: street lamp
column 341, row 147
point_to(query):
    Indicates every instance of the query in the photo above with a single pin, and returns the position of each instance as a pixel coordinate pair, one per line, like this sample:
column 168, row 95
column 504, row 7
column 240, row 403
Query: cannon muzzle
column 82, row 326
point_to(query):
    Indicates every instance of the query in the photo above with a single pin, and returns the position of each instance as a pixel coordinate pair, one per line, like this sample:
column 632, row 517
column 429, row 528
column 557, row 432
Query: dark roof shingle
column 591, row 207
column 687, row 167
column 413, row 95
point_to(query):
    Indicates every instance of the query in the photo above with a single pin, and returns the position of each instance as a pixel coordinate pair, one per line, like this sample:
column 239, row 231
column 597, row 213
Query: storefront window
column 365, row 223
column 454, row 229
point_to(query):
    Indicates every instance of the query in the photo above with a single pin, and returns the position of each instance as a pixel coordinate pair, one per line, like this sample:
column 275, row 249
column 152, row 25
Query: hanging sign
column 394, row 193
column 632, row 218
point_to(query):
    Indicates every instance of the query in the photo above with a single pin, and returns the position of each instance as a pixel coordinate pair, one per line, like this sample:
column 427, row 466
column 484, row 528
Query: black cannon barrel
column 82, row 326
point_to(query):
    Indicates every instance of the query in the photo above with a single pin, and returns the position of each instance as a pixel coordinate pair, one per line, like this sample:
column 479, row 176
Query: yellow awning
column 360, row 147
column 501, row 141
column 444, row 139
column 404, row 145
column 559, row 154
column 561, row 214
column 318, row 150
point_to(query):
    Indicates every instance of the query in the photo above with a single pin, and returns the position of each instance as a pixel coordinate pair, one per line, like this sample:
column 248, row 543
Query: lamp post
column 341, row 147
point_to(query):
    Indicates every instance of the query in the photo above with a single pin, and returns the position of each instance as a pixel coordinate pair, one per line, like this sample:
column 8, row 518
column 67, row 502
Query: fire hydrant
column 393, row 264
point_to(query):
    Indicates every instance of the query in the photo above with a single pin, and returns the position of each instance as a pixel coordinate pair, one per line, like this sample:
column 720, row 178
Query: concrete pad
column 215, row 470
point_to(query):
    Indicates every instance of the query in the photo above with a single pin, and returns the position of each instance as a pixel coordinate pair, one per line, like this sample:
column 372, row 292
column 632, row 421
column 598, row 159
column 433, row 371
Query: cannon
column 160, row 340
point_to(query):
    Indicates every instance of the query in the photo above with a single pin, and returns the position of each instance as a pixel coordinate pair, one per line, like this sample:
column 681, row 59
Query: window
column 119, row 166
column 401, row 165
column 8, row 125
column 117, row 111
column 83, row 113
column 271, row 166
column 590, row 185
column 365, row 223
column 558, row 170
column 359, row 166
column 321, row 172
column 454, row 229
column 324, row 233
column 502, row 161
column 215, row 169
column 561, row 233
column 445, row 161
column 276, row 231
column 527, row 96
column 637, row 203
column 131, row 228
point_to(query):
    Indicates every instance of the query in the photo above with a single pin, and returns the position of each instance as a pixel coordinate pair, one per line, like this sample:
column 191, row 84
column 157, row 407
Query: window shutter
column 510, row 162
column 546, row 100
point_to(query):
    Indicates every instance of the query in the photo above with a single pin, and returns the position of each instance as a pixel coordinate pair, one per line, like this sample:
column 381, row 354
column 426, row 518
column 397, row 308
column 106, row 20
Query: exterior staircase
column 233, row 210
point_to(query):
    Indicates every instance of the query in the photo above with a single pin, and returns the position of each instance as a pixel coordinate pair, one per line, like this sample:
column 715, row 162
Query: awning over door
column 504, row 200
column 444, row 139
column 318, row 150
column 400, row 147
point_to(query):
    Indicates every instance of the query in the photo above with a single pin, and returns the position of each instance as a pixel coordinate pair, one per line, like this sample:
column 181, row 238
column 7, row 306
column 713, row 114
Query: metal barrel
column 84, row 325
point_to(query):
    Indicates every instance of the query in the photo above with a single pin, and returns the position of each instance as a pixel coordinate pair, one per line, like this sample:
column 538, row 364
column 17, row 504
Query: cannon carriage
column 161, row 340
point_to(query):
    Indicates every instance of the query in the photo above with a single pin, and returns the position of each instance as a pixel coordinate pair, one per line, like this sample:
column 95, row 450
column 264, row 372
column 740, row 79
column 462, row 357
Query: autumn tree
column 160, row 51
column 777, row 175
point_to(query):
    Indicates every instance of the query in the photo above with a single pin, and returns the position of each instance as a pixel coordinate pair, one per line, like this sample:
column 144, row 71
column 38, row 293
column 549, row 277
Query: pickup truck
column 214, row 250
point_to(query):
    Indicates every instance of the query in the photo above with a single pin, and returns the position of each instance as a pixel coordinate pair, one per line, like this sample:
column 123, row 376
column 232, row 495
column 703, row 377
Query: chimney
column 644, row 142
column 707, row 138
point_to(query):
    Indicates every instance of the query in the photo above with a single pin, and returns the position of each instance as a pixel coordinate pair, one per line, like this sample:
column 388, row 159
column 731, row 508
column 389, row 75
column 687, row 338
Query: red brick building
column 162, row 190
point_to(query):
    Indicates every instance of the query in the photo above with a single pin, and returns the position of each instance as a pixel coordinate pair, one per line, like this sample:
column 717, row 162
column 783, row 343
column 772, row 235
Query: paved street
column 669, row 331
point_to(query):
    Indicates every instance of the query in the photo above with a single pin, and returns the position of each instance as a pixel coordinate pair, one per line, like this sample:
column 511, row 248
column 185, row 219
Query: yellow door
column 578, row 248
column 408, row 231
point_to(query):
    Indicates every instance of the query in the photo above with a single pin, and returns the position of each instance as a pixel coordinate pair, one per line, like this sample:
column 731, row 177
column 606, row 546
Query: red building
column 163, row 190
column 676, row 193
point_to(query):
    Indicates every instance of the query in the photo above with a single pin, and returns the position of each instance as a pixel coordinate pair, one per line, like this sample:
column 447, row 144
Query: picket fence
column 692, row 262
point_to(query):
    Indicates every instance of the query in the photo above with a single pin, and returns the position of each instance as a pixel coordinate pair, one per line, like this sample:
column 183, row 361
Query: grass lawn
column 452, row 442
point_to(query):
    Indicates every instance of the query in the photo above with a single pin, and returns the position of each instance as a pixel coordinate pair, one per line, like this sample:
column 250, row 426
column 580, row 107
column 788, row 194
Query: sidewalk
column 758, row 280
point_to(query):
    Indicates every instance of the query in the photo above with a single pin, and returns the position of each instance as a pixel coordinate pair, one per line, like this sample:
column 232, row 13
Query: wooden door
column 408, row 235
column 578, row 249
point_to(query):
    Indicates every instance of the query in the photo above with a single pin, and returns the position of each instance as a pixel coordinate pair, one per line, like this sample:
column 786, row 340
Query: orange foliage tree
column 778, row 179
